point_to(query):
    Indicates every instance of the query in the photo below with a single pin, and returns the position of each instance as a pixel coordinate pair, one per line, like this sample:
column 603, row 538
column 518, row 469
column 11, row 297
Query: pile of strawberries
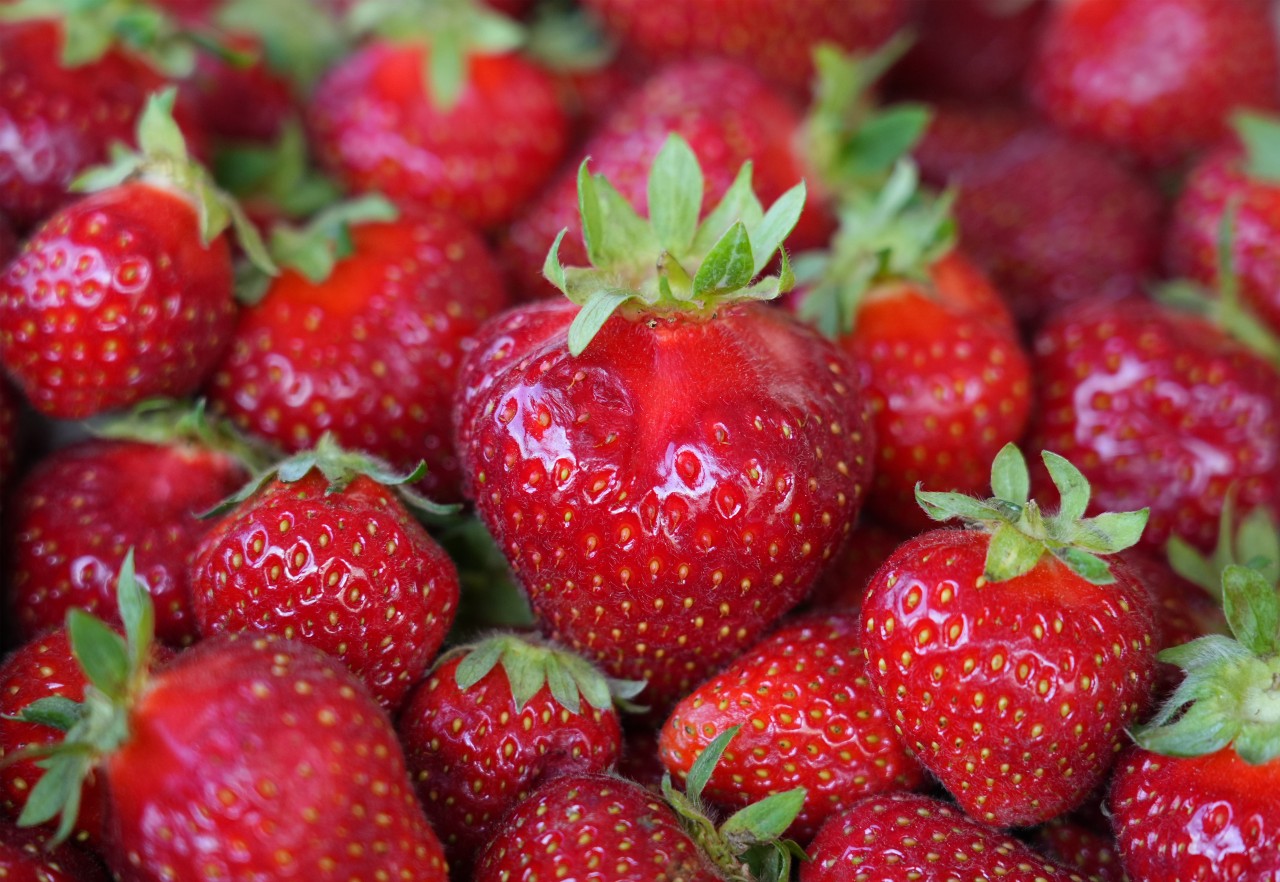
column 638, row 440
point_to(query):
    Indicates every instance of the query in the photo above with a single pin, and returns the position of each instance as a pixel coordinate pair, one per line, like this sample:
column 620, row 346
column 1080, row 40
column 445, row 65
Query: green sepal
column 1254, row 543
column 700, row 771
column 1252, row 607
column 169, row 421
column 101, row 652
column 767, row 819
column 591, row 318
column 566, row 39
column 280, row 173
column 1260, row 135
column 315, row 249
column 58, row 792
column 300, row 39
column 55, row 711
column 675, row 195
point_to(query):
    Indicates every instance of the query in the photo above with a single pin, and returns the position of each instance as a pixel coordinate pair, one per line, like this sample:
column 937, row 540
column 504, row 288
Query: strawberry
column 322, row 548
column 246, row 758
column 80, row 509
column 810, row 718
column 773, row 36
column 1073, row 843
column 1195, row 798
column 934, row 345
column 491, row 722
column 125, row 294
column 1055, row 220
column 25, row 856
column 415, row 118
column 1154, row 78
column 667, row 465
column 841, row 588
column 361, row 336
column 905, row 836
column 1010, row 655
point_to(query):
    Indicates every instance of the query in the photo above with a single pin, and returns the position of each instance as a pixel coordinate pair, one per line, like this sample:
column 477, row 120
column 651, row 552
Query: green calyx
column 1260, row 135
column 748, row 846
column 339, row 467
column 315, row 249
column 1254, row 543
column 530, row 664
column 452, row 31
column 895, row 234
column 164, row 160
column 1022, row 533
column 567, row 39
column 280, row 173
column 299, row 39
column 669, row 262
column 116, row 668
column 167, row 421
column 1230, row 692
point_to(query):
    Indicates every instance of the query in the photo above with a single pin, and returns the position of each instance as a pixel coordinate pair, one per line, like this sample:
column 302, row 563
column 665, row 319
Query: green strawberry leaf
column 942, row 506
column 552, row 268
column 1010, row 478
column 101, row 652
column 739, row 204
column 58, row 792
column 563, row 687
column 592, row 316
column 1011, row 553
column 728, row 266
column 767, row 819
column 700, row 771
column 55, row 711
column 1201, row 730
column 1258, row 541
column 1261, row 137
column 1087, row 566
column 675, row 195
column 137, row 613
column 1073, row 488
column 1252, row 608
column 592, row 214
column 1111, row 532
column 767, row 236
column 478, row 663
column 884, row 138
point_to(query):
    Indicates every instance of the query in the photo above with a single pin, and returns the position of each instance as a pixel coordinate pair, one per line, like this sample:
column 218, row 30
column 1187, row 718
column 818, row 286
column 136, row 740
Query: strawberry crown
column 315, row 248
column 897, row 233
column 299, row 38
column 1230, row 692
column 168, row 421
column 1022, row 533
column 163, row 159
column 531, row 664
column 1260, row 135
column 669, row 262
column 1254, row 543
column 748, row 846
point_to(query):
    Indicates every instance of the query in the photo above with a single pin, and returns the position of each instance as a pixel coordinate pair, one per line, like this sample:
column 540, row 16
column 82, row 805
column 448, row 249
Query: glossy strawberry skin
column 1158, row 409
column 370, row 354
column 1154, row 78
column 115, row 300
column 26, row 856
column 904, row 836
column 351, row 573
column 1014, row 694
column 249, row 758
column 1207, row 818
column 727, row 114
column 671, row 491
column 377, row 130
column 810, row 718
column 469, row 775
column 81, row 509
column 592, row 828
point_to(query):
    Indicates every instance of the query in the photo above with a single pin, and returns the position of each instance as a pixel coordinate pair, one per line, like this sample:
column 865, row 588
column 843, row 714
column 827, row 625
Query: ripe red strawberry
column 809, row 717
column 1010, row 656
column 245, row 758
column 322, row 548
column 1055, row 220
column 1154, row 78
column 491, row 722
column 366, row 344
column 1196, row 798
column 79, row 511
column 934, row 345
column 841, row 588
column 125, row 294
column 1073, row 843
column 25, row 856
column 393, row 118
column 669, row 466
column 1159, row 408
column 903, row 836
column 775, row 37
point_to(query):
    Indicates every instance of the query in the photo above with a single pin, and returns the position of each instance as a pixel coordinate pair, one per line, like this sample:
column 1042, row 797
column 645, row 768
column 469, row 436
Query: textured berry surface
column 25, row 856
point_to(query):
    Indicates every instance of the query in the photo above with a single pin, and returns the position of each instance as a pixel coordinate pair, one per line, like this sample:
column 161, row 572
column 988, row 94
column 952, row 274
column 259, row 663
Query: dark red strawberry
column 841, row 588
column 1196, row 798
column 1155, row 78
column 25, row 856
column 903, row 836
column 809, row 718
column 1073, row 843
column 667, row 466
column 8, row 241
column 125, row 294
column 491, row 722
column 1010, row 656
column 80, row 510
column 322, row 548
column 364, row 340
column 1053, row 219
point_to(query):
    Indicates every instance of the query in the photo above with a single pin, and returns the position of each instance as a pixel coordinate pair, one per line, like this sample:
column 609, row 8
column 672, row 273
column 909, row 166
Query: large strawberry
column 1196, row 798
column 361, row 336
column 323, row 549
column 441, row 114
column 1155, row 78
column 1010, row 656
column 809, row 717
column 125, row 294
column 492, row 721
column 245, row 758
column 667, row 463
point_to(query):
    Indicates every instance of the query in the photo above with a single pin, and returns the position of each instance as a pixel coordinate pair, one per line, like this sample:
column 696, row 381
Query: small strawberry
column 1154, row 78
column 902, row 836
column 1196, row 798
column 809, row 717
column 492, row 721
column 125, row 294
column 322, row 548
column 25, row 856
column 1010, row 655
column 667, row 465
column 246, row 758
